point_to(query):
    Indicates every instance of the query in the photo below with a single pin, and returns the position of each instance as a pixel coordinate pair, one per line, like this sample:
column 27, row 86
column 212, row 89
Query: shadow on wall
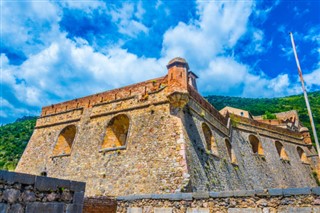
column 208, row 171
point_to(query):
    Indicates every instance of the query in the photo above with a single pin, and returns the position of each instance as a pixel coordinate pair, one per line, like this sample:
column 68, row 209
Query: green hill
column 15, row 136
column 261, row 106
column 13, row 140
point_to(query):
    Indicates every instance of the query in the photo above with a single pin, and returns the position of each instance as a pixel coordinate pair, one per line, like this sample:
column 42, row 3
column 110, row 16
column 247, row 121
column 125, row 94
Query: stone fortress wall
column 21, row 193
column 162, row 136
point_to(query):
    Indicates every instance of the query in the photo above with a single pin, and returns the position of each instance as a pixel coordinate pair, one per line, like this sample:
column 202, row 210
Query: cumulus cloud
column 29, row 28
column 67, row 69
column 58, row 68
column 128, row 19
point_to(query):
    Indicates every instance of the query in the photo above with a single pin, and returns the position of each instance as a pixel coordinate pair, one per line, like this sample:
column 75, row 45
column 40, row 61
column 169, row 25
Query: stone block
column 38, row 207
column 244, row 193
column 288, row 209
column 74, row 208
column 198, row 210
column 244, row 210
column 221, row 194
column 127, row 198
column 3, row 207
column 11, row 195
column 7, row 176
column 156, row 196
column 24, row 178
column 134, row 210
column 261, row 192
column 78, row 198
column 143, row 196
column 46, row 183
column 296, row 191
column 177, row 196
column 200, row 195
column 275, row 192
column 77, row 186
column 316, row 209
column 162, row 210
column 147, row 209
column 315, row 190
column 166, row 196
column 16, row 208
column 186, row 196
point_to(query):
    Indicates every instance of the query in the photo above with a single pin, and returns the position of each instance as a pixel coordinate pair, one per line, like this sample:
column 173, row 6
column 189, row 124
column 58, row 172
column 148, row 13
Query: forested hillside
column 259, row 106
column 15, row 136
column 13, row 140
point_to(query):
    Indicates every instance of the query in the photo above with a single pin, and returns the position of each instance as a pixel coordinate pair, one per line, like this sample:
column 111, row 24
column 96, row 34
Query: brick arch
column 116, row 132
column 65, row 141
column 302, row 155
column 209, row 139
column 255, row 145
column 281, row 151
column 230, row 152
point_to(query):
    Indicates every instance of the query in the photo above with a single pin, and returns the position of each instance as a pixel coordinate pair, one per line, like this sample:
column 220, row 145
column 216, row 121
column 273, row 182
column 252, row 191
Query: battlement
column 140, row 89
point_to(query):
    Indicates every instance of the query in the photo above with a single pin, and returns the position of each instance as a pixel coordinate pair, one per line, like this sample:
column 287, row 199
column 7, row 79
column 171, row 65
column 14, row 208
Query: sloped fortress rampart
column 162, row 136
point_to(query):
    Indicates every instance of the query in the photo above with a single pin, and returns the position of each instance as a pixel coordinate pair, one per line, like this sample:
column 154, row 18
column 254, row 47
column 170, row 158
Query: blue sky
column 53, row 51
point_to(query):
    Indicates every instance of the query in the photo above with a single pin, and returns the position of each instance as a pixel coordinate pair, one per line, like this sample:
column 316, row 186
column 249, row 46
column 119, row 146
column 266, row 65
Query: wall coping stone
column 275, row 192
column 244, row 193
column 224, row 194
column 201, row 195
column 297, row 191
column 315, row 190
column 261, row 192
column 221, row 194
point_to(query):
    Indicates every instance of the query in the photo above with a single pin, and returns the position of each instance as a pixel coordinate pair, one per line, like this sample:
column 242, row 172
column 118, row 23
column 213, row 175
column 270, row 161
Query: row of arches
column 116, row 134
column 257, row 149
column 255, row 143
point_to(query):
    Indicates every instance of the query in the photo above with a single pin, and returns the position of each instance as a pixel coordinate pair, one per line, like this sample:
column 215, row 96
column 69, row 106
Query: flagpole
column 305, row 96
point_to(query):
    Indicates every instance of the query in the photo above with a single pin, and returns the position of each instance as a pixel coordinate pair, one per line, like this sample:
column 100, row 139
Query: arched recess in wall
column 209, row 139
column 65, row 141
column 116, row 132
column 256, row 145
column 302, row 155
column 230, row 152
column 281, row 151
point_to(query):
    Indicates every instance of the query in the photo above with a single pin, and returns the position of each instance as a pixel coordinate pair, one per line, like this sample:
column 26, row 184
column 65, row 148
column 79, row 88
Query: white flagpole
column 305, row 95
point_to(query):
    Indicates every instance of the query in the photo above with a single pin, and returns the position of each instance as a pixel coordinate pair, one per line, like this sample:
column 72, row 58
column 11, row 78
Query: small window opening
column 65, row 141
column 281, row 151
column 256, row 145
column 230, row 152
column 302, row 155
column 211, row 144
column 241, row 113
column 116, row 132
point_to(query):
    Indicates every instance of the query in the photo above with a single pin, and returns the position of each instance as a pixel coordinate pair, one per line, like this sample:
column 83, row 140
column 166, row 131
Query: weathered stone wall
column 21, row 193
column 163, row 148
column 215, row 171
column 260, row 201
column 150, row 161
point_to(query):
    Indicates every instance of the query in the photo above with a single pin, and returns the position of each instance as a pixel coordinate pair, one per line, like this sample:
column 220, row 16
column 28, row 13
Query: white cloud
column 62, row 69
column 5, row 103
column 84, row 5
column 220, row 25
column 67, row 69
column 27, row 26
column 313, row 78
column 128, row 19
